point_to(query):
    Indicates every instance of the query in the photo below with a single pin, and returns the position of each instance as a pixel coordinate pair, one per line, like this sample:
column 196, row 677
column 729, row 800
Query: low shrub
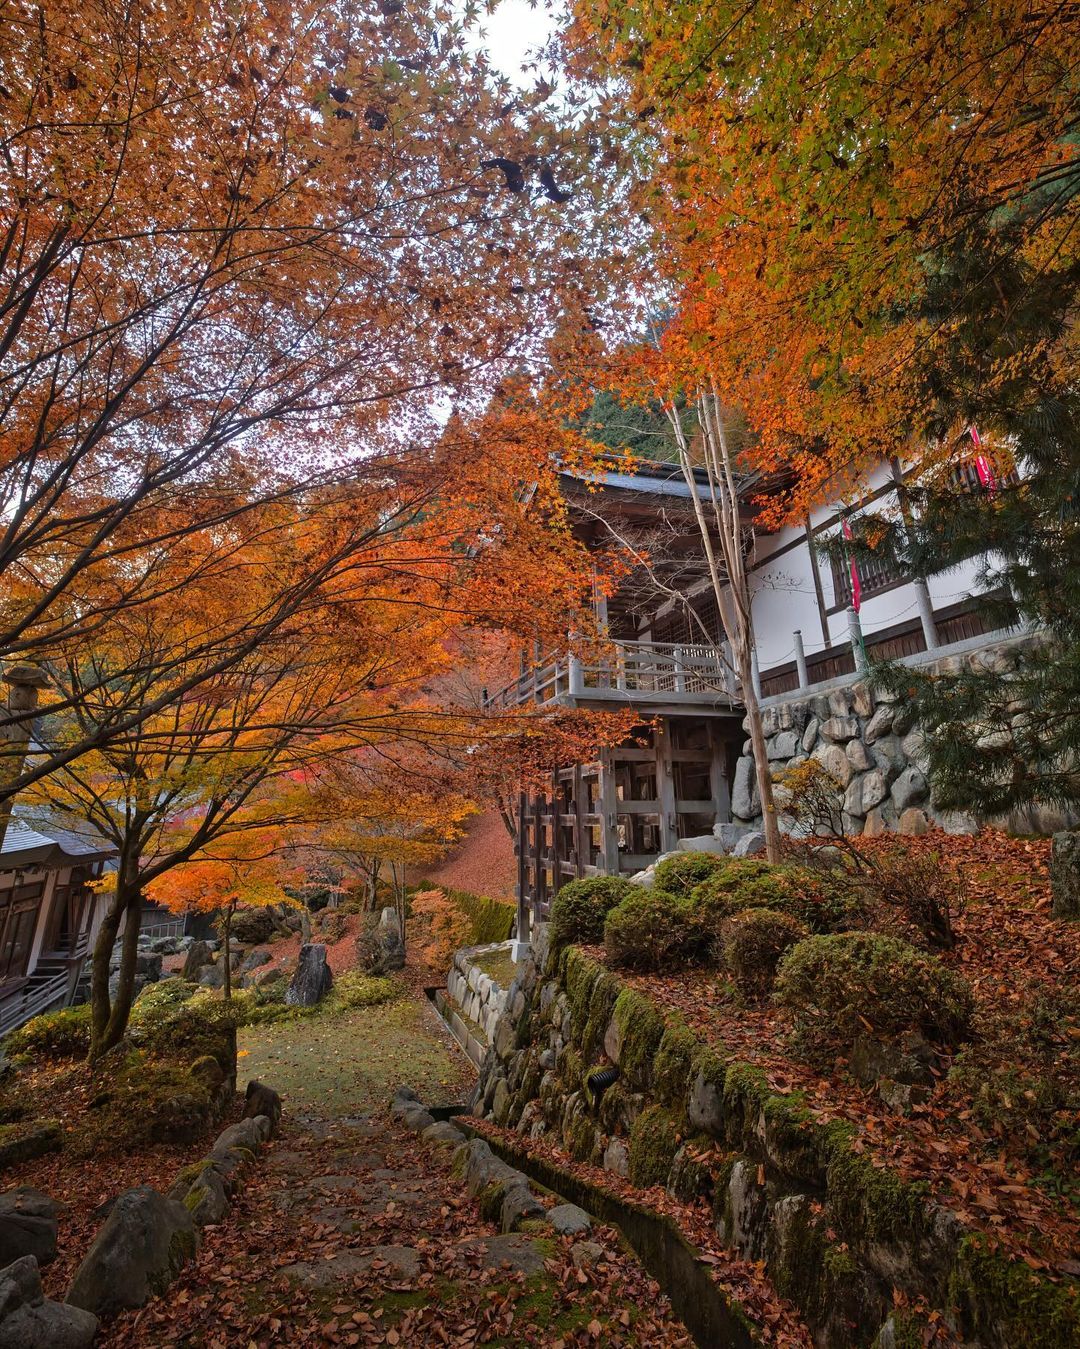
column 63, row 1034
column 824, row 904
column 837, row 986
column 651, row 930
column 580, row 908
column 444, row 927
column 492, row 920
column 753, row 942
column 353, row 989
column 331, row 925
column 678, row 875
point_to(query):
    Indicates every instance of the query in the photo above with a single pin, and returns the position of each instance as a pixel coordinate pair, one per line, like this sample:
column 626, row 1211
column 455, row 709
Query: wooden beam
column 665, row 786
column 609, row 839
column 718, row 777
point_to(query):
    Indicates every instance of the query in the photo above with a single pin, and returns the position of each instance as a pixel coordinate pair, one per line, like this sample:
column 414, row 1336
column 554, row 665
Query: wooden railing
column 31, row 1000
column 634, row 672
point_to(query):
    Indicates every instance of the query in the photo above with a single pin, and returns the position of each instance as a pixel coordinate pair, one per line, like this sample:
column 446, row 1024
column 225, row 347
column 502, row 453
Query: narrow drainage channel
column 712, row 1319
column 708, row 1314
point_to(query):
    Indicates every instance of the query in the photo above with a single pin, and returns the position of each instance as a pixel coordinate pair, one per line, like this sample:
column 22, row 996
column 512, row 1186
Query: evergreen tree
column 1000, row 328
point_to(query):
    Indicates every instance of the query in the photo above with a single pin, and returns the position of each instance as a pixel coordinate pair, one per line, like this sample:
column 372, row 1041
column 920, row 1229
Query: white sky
column 512, row 32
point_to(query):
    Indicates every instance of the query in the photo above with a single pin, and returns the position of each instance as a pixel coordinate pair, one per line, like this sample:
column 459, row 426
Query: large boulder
column 312, row 979
column 143, row 1244
column 1065, row 875
column 27, row 1225
column 745, row 801
column 379, row 947
column 29, row 1320
column 198, row 955
column 254, row 927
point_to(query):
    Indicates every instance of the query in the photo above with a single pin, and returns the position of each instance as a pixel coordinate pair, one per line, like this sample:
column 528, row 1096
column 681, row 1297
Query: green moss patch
column 654, row 1141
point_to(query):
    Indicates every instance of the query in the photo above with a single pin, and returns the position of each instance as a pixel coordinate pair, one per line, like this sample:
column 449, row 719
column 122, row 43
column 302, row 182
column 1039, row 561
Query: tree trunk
column 109, row 1021
column 226, row 954
column 769, row 823
column 100, row 1007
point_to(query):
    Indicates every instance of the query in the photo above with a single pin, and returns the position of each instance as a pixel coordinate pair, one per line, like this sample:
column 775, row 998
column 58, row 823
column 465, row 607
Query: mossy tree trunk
column 226, row 952
column 109, row 1014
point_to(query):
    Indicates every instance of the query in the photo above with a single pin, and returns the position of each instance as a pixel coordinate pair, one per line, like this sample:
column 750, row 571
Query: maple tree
column 833, row 197
column 247, row 253
column 245, row 871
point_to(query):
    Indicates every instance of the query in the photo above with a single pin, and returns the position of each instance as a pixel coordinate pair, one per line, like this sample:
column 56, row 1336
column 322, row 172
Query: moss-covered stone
column 571, row 1069
column 580, row 974
column 870, row 1204
column 791, row 1138
column 1002, row 1301
column 693, row 1170
column 654, row 1141
column 745, row 1093
column 602, row 998
column 674, row 1062
column 640, row 1028
column 823, row 1279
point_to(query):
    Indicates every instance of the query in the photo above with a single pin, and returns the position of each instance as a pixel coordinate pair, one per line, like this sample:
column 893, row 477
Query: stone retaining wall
column 474, row 1001
column 870, row 742
column 838, row 1235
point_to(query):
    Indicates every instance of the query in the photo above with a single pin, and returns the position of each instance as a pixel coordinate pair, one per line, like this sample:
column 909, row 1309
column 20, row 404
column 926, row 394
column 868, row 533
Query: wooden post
column 25, row 682
column 576, row 676
column 579, row 821
column 718, row 778
column 665, row 787
column 524, row 927
column 922, row 593
column 680, row 671
column 855, row 636
column 800, row 660
column 609, row 806
column 755, row 673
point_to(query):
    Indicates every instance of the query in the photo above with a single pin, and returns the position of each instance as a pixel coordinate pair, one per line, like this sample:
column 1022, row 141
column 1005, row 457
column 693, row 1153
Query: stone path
column 352, row 1230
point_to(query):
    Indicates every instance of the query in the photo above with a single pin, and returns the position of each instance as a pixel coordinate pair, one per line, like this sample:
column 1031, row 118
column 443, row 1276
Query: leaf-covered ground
column 984, row 1142
column 351, row 1230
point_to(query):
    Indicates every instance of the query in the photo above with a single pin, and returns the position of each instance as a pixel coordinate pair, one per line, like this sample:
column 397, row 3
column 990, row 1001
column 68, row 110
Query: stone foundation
column 473, row 1001
column 870, row 742
column 837, row 1234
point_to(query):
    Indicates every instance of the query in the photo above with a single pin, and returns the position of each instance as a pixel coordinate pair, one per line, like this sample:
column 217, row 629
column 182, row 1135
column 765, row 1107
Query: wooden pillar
column 609, row 807
column 718, row 776
column 539, row 888
column 524, row 896
column 665, row 786
column 818, row 592
column 579, row 821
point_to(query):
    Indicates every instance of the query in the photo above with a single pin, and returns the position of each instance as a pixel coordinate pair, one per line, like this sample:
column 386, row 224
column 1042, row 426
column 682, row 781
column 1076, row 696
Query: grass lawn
column 347, row 1064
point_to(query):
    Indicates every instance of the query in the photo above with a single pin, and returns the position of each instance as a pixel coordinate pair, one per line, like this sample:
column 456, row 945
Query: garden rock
column 913, row 821
column 379, row 947
column 253, row 960
column 213, row 976
column 745, row 801
column 29, row 1320
column 143, row 1244
column 206, row 1199
column 750, row 844
column 909, row 789
column 519, row 1205
column 444, row 1134
column 27, row 1225
column 313, row 978
column 1065, row 875
column 833, row 759
column 249, row 1133
column 569, row 1220
column 259, row 1099
column 839, row 729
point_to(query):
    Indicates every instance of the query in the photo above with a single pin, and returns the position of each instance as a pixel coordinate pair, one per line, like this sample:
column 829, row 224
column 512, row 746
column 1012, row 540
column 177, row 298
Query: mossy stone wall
column 837, row 1234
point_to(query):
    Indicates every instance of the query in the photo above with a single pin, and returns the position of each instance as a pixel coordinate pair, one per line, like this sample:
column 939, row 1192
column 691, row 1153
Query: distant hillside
column 483, row 862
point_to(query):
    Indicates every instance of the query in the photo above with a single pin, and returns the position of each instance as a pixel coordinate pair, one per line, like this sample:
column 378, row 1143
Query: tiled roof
column 35, row 838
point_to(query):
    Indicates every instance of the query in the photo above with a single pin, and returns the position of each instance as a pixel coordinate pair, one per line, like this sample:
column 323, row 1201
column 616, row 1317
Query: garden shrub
column 353, row 989
column 838, row 985
column 678, row 875
column 492, row 920
column 580, row 908
column 63, row 1034
column 824, row 904
column 753, row 942
column 650, row 930
column 331, row 925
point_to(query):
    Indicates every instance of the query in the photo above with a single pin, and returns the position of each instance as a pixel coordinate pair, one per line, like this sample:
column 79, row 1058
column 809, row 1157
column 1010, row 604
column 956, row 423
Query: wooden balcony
column 655, row 677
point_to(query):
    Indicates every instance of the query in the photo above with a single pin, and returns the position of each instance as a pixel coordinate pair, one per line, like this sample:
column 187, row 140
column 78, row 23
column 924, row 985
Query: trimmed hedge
column 823, row 903
column 63, row 1034
column 837, row 985
column 651, row 930
column 492, row 919
column 753, row 942
column 679, row 875
column 580, row 908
